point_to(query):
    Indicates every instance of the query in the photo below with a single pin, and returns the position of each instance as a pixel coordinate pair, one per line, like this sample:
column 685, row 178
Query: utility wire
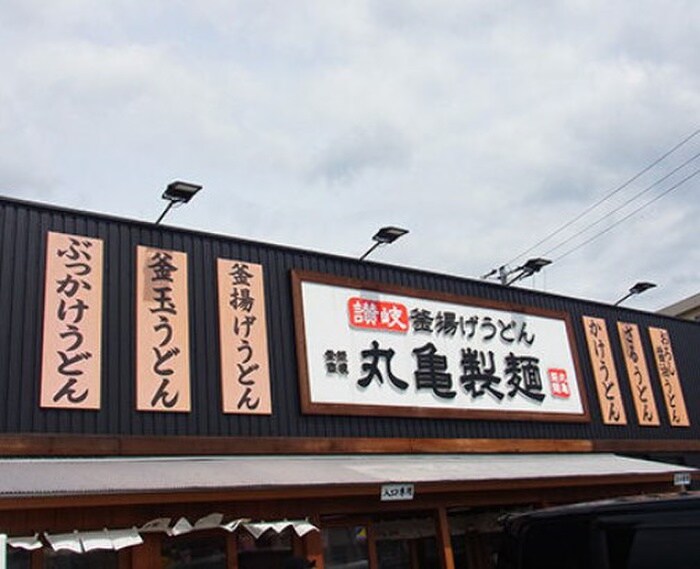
column 621, row 206
column 618, row 222
column 608, row 195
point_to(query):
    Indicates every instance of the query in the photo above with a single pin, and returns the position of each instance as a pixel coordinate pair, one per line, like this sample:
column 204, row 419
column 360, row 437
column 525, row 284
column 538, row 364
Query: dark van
column 649, row 532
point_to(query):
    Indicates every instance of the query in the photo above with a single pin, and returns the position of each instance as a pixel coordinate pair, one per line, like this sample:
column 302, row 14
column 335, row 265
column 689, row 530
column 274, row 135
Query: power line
column 622, row 206
column 618, row 222
column 608, row 195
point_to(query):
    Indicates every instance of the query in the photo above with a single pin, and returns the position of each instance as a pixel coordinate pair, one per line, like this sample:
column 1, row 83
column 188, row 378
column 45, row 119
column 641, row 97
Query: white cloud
column 359, row 150
column 480, row 125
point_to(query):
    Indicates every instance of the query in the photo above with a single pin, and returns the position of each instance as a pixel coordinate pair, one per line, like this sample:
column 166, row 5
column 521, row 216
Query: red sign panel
column 559, row 383
column 377, row 315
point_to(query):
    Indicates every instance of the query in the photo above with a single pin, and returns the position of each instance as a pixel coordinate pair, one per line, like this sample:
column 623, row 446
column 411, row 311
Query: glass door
column 345, row 547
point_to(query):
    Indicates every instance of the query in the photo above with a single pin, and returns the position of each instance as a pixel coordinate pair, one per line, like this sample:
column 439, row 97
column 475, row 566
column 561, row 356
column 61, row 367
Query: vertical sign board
column 612, row 408
column 638, row 374
column 162, row 335
column 668, row 374
column 72, row 340
column 245, row 376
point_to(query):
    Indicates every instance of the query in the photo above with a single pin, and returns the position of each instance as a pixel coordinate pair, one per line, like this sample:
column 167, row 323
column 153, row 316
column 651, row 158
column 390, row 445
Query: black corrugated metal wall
column 23, row 229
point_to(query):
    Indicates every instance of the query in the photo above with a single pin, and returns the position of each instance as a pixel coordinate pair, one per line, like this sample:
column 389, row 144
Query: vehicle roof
column 621, row 505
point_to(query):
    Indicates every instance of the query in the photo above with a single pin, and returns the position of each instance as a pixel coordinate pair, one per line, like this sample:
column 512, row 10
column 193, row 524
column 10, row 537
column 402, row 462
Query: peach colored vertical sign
column 638, row 374
column 245, row 375
column 608, row 388
column 668, row 374
column 71, row 371
column 162, row 334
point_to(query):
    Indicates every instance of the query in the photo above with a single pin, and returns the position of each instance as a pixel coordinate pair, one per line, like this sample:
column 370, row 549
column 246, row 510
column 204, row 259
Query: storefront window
column 397, row 553
column 406, row 542
column 269, row 551
column 393, row 554
column 345, row 547
column 18, row 558
column 99, row 559
column 475, row 538
column 202, row 552
column 459, row 551
column 426, row 553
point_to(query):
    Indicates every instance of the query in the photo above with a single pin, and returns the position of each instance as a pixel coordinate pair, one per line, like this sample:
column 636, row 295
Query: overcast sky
column 481, row 126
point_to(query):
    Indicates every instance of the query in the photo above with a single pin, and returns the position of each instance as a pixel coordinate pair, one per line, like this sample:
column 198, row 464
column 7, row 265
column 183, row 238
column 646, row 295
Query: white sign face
column 682, row 479
column 381, row 353
column 396, row 492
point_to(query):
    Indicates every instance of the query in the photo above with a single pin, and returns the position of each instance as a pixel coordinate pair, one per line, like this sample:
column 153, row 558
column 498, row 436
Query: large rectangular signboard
column 369, row 349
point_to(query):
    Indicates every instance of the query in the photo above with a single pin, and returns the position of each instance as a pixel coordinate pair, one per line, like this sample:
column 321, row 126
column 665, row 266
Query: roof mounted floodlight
column 385, row 236
column 178, row 193
column 535, row 265
column 509, row 276
column 638, row 288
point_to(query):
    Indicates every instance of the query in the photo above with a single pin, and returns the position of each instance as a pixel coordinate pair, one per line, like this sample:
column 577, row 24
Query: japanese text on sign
column 396, row 492
column 638, row 374
column 608, row 388
column 393, row 351
column 245, row 377
column 163, row 354
column 72, row 323
column 376, row 315
column 668, row 375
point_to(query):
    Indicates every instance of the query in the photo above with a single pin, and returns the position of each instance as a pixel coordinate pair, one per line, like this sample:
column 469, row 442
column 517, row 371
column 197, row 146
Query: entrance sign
column 396, row 492
column 72, row 350
column 162, row 334
column 371, row 349
column 682, row 479
column 668, row 374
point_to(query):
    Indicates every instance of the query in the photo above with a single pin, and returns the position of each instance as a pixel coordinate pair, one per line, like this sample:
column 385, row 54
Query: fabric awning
column 80, row 541
column 85, row 541
column 109, row 476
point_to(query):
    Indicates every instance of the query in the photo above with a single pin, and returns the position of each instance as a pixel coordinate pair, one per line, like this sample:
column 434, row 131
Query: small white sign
column 395, row 492
column 682, row 479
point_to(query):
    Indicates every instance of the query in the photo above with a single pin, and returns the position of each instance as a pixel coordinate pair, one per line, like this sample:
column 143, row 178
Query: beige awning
column 108, row 476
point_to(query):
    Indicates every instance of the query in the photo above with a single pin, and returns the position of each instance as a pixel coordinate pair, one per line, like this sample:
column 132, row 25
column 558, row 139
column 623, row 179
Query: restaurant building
column 173, row 398
column 688, row 308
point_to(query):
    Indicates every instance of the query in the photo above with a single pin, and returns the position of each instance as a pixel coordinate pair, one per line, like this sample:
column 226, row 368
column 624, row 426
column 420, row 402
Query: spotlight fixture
column 638, row 288
column 385, row 236
column 178, row 193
